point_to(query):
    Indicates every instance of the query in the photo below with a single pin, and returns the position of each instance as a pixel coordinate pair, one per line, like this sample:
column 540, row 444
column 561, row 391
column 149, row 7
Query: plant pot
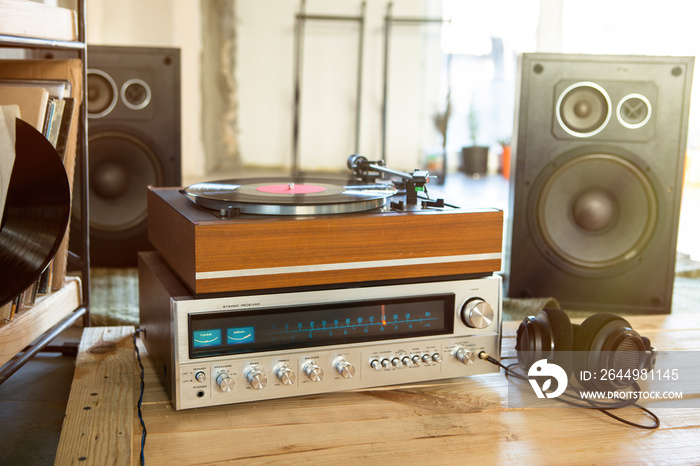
column 475, row 160
column 505, row 162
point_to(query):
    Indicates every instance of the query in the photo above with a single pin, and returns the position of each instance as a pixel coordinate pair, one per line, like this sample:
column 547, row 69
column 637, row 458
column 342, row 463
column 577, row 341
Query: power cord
column 140, row 402
column 602, row 407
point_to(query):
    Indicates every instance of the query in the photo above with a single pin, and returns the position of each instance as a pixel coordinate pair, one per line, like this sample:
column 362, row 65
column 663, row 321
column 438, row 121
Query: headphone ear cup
column 562, row 331
column 606, row 341
column 562, row 339
column 547, row 336
column 586, row 333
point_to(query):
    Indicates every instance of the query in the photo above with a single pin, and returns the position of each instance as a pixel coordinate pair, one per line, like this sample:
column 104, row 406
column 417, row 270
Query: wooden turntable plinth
column 255, row 252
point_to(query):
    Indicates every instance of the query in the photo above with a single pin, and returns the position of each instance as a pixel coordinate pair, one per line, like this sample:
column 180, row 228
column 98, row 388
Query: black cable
column 140, row 402
column 603, row 408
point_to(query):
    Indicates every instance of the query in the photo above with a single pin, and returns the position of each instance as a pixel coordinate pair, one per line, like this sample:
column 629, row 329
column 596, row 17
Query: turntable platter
column 290, row 196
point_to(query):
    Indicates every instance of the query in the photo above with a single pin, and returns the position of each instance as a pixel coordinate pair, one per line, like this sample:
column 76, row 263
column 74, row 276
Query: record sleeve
column 36, row 213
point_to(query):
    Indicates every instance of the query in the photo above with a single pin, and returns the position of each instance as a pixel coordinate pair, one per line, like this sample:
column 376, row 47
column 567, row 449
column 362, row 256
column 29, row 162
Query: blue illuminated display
column 250, row 331
column 204, row 338
column 239, row 335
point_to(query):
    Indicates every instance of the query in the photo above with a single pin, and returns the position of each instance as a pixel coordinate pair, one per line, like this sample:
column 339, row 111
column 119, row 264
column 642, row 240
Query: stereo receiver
column 247, row 347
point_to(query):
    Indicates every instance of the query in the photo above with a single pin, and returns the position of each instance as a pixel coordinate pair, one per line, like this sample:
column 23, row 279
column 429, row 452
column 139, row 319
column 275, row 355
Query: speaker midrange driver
column 583, row 109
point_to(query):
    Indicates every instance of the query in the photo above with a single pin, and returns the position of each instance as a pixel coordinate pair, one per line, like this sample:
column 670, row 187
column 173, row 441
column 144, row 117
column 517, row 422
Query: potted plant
column 440, row 120
column 474, row 157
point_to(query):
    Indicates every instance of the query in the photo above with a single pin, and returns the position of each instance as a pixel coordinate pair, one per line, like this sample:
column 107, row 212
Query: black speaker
column 599, row 148
column 133, row 105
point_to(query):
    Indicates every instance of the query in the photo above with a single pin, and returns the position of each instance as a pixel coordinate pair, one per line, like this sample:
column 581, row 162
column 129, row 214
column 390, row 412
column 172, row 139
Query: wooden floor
column 443, row 422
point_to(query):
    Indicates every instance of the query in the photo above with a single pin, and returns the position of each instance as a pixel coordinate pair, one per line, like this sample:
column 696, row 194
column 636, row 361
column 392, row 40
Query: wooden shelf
column 33, row 20
column 48, row 311
column 31, row 26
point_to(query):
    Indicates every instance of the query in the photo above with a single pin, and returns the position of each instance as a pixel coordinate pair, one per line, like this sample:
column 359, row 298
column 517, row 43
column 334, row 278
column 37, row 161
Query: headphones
column 602, row 343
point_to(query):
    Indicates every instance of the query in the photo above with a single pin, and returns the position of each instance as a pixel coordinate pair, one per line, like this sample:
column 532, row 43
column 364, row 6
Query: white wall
column 265, row 75
column 159, row 23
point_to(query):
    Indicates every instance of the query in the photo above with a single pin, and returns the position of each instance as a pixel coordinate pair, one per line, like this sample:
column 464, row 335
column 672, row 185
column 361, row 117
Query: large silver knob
column 465, row 356
column 313, row 372
column 477, row 313
column 286, row 375
column 256, row 378
column 344, row 368
column 225, row 382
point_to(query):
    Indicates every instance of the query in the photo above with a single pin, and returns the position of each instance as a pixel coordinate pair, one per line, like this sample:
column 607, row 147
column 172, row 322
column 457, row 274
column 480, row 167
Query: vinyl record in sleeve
column 36, row 214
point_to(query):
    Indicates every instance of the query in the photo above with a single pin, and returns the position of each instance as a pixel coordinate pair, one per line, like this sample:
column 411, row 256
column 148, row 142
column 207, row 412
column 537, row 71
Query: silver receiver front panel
column 206, row 375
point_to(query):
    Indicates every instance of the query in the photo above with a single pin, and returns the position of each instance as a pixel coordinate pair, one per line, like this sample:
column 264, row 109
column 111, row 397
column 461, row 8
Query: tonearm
column 413, row 182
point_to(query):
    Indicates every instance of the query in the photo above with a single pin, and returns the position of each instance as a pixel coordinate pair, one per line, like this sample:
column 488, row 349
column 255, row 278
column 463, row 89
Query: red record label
column 291, row 188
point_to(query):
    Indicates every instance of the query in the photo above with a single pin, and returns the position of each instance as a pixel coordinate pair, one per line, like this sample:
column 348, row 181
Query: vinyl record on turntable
column 36, row 213
column 290, row 196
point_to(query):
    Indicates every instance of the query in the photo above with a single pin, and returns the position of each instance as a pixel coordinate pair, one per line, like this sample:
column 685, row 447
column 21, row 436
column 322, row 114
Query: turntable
column 237, row 236
column 275, row 288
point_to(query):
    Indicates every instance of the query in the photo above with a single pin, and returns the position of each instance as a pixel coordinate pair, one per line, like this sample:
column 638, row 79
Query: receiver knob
column 225, row 382
column 465, row 356
column 407, row 361
column 200, row 376
column 477, row 313
column 345, row 369
column 313, row 372
column 375, row 364
column 286, row 375
column 256, row 378
column 437, row 358
column 416, row 360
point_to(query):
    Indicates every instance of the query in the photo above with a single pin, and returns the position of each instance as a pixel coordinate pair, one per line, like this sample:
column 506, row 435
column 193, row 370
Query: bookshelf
column 32, row 330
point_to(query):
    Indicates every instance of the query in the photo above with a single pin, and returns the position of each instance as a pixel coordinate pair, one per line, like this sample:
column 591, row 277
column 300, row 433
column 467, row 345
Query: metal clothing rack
column 301, row 18
column 82, row 259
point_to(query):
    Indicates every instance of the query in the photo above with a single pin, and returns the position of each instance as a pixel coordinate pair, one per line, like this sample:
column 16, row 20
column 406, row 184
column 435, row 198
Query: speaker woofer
column 583, row 109
column 594, row 212
column 121, row 166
